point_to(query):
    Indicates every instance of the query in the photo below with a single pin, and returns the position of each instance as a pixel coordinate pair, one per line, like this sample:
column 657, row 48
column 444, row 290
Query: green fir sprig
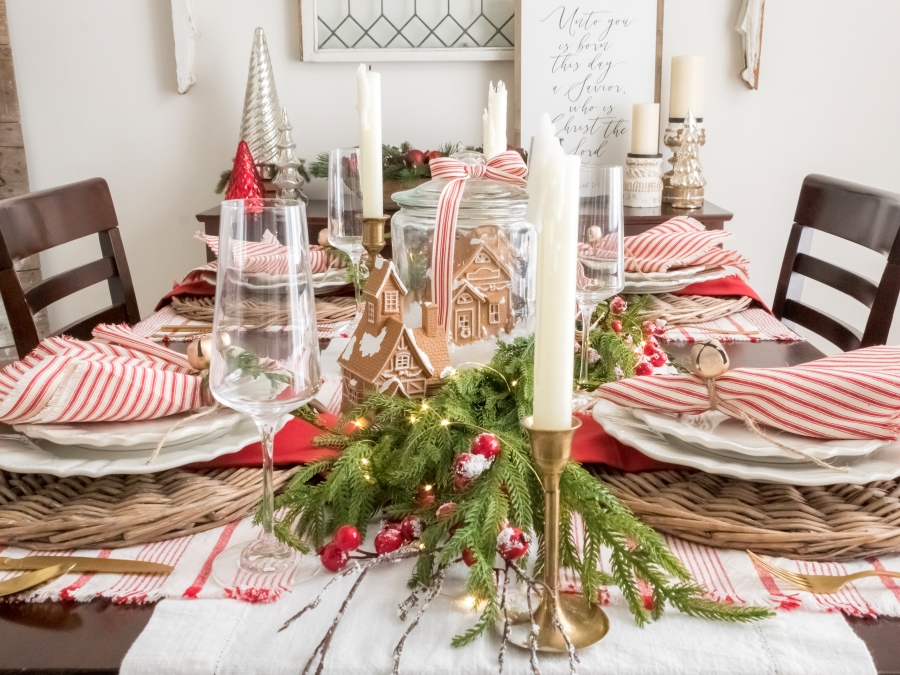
column 398, row 446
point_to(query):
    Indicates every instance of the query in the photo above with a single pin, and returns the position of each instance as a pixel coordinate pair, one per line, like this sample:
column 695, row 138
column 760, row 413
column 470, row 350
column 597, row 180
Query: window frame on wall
column 311, row 51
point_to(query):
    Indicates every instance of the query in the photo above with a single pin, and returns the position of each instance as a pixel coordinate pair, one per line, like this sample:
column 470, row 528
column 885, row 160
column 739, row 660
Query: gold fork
column 817, row 583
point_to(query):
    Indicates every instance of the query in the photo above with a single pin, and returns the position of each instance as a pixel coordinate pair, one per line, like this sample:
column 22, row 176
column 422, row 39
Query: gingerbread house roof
column 467, row 249
column 465, row 284
column 384, row 269
column 367, row 355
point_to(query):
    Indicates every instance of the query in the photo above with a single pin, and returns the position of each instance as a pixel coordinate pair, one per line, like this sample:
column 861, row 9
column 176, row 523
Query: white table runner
column 225, row 637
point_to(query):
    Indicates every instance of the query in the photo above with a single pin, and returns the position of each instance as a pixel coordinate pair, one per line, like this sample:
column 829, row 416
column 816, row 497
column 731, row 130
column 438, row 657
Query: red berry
column 469, row 557
column 415, row 157
column 643, row 368
column 486, row 445
column 431, row 154
column 411, row 528
column 616, row 325
column 347, row 538
column 461, row 483
column 650, row 348
column 333, row 558
column 512, row 543
column 426, row 497
column 444, row 510
column 387, row 541
column 648, row 328
column 658, row 360
column 618, row 305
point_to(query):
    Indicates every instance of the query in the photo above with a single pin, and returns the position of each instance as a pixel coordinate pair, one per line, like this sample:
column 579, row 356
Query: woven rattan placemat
column 47, row 513
column 834, row 522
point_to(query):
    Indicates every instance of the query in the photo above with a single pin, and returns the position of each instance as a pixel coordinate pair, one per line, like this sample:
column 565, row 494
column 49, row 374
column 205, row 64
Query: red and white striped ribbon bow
column 507, row 167
column 852, row 395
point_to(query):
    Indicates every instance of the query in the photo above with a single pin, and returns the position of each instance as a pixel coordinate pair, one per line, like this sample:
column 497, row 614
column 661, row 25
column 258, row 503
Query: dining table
column 94, row 637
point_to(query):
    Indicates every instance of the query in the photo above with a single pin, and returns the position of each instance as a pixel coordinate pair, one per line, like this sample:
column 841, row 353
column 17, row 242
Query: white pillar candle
column 553, row 209
column 645, row 129
column 686, row 86
column 494, row 121
column 370, row 162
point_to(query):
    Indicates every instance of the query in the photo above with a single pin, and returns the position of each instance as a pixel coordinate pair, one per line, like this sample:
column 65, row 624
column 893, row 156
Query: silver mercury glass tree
column 259, row 122
column 287, row 179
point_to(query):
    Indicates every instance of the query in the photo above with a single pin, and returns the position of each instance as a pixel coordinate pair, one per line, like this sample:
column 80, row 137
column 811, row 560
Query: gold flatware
column 82, row 564
column 817, row 583
column 30, row 579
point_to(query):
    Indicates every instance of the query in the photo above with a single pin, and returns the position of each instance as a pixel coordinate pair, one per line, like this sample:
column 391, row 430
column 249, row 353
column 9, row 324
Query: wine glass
column 256, row 368
column 600, row 246
column 345, row 226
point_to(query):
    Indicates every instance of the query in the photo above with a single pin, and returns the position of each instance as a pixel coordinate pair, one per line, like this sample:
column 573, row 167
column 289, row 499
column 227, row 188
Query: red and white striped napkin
column 680, row 242
column 269, row 256
column 751, row 325
column 118, row 376
column 852, row 395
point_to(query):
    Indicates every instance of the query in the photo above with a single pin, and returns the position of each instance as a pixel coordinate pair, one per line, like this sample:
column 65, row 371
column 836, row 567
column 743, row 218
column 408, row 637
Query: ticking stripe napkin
column 269, row 256
column 680, row 242
column 118, row 376
column 852, row 395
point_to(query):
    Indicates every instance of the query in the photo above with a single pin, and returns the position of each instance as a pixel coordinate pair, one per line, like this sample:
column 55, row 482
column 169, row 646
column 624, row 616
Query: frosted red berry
column 347, row 538
column 512, row 543
column 333, row 558
column 618, row 305
column 658, row 359
column 387, row 541
column 486, row 445
column 444, row 510
column 411, row 528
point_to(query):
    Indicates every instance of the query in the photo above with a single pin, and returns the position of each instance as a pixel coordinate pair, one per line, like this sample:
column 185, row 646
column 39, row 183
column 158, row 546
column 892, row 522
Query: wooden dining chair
column 863, row 216
column 39, row 221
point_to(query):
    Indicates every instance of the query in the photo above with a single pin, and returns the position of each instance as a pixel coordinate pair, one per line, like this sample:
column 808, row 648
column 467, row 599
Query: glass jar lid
column 478, row 193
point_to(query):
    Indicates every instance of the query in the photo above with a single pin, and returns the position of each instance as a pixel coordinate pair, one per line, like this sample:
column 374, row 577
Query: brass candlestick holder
column 373, row 238
column 583, row 624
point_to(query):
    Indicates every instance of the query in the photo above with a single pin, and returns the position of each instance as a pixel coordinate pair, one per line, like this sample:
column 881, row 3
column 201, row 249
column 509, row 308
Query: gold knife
column 82, row 564
column 29, row 579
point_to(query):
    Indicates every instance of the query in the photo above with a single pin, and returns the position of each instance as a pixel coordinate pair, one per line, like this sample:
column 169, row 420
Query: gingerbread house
column 386, row 355
column 482, row 287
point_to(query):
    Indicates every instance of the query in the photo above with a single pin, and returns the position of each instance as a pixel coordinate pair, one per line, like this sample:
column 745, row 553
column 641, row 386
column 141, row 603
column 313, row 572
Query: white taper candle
column 369, row 107
column 494, row 141
column 553, row 189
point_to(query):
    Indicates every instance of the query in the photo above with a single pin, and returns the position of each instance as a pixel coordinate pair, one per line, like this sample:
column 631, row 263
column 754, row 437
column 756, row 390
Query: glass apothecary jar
column 492, row 279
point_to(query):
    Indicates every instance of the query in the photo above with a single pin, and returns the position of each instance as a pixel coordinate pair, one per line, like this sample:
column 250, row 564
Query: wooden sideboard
column 636, row 220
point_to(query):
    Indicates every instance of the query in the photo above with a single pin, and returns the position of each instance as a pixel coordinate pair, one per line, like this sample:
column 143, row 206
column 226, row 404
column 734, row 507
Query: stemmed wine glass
column 258, row 369
column 345, row 227
column 600, row 246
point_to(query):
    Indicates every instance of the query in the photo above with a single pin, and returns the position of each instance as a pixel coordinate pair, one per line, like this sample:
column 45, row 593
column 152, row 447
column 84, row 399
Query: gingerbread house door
column 464, row 324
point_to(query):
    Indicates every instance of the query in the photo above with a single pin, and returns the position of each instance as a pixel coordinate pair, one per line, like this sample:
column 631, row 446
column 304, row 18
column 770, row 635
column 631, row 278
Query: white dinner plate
column 666, row 276
column 618, row 422
column 21, row 455
column 138, row 435
column 716, row 431
column 322, row 281
column 654, row 286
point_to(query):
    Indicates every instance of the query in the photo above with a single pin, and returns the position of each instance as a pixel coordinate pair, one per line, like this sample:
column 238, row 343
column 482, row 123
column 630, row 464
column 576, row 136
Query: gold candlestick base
column 373, row 238
column 583, row 624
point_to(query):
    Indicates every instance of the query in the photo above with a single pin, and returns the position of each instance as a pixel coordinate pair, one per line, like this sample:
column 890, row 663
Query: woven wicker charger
column 47, row 513
column 834, row 522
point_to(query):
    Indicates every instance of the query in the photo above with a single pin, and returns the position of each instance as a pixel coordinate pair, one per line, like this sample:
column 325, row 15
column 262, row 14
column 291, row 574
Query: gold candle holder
column 373, row 238
column 584, row 624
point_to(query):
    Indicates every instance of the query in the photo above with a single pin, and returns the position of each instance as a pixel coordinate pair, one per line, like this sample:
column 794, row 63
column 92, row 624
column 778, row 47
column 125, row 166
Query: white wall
column 97, row 91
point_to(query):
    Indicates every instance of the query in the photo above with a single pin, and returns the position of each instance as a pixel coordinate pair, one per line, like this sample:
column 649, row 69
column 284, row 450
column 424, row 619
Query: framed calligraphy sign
column 585, row 62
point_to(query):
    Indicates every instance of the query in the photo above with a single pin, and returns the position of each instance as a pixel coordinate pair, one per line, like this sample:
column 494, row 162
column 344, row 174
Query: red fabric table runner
column 294, row 445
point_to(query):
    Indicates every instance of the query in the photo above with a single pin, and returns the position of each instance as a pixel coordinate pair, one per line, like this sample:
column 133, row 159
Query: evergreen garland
column 398, row 446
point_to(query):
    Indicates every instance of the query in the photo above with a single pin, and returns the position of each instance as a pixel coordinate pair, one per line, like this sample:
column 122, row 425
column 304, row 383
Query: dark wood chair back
column 39, row 221
column 861, row 215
